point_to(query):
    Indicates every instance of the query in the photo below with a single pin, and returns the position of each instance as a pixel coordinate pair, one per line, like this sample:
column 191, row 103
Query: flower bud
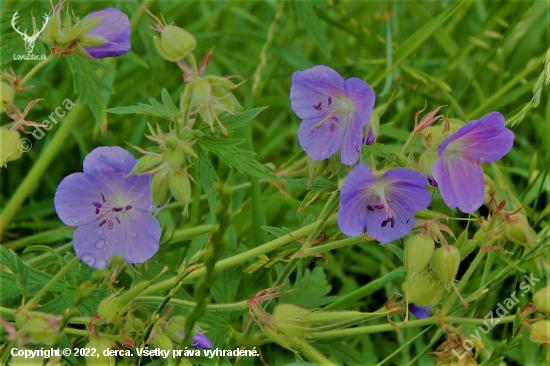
column 489, row 188
column 418, row 253
column 175, row 43
column 370, row 131
column 176, row 328
column 7, row 94
column 288, row 342
column 175, row 159
column 202, row 92
column 108, row 309
column 540, row 332
column 26, row 361
column 146, row 164
column 437, row 131
column 421, row 289
column 9, row 146
column 316, row 168
column 180, row 187
column 98, row 358
column 542, row 299
column 289, row 319
column 401, row 160
column 445, row 263
column 53, row 29
column 41, row 330
column 517, row 227
column 425, row 163
column 105, row 33
column 159, row 188
column 163, row 342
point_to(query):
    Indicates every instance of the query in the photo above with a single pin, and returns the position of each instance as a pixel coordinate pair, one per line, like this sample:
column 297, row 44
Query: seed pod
column 445, row 263
column 540, row 332
column 7, row 94
column 542, row 299
column 517, row 227
column 418, row 253
column 175, row 43
column 289, row 319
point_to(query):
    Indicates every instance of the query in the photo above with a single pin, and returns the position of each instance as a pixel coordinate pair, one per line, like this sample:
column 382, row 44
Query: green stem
column 408, row 142
column 241, row 305
column 313, row 355
column 240, row 258
column 74, row 320
column 84, row 333
column 29, row 305
column 401, row 325
column 39, row 168
column 333, row 245
column 36, row 67
column 193, row 62
column 331, row 206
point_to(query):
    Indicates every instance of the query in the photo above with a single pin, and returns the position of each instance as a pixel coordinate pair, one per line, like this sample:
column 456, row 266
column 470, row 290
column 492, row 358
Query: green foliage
column 253, row 205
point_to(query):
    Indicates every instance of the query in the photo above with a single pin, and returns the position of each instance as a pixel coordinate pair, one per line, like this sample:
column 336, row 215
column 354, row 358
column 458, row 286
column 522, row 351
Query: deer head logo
column 29, row 40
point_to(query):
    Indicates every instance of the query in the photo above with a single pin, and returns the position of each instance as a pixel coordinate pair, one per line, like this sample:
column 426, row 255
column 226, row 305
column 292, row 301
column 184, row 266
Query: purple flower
column 112, row 212
column 115, row 29
column 420, row 312
column 200, row 340
column 385, row 206
column 457, row 170
column 334, row 112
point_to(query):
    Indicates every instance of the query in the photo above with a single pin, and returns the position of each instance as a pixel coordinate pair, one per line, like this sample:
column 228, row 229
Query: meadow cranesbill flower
column 385, row 206
column 111, row 212
column 114, row 28
column 457, row 170
column 334, row 112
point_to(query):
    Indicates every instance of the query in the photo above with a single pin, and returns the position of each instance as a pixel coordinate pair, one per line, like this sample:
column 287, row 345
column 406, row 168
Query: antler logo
column 29, row 40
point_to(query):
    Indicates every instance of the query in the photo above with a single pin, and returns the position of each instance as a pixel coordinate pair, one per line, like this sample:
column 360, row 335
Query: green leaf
column 168, row 110
column 206, row 176
column 309, row 20
column 318, row 183
column 275, row 231
column 233, row 121
column 242, row 160
column 89, row 85
column 412, row 43
column 310, row 290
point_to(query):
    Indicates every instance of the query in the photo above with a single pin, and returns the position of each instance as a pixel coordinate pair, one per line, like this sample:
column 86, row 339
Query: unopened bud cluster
column 429, row 271
column 168, row 166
